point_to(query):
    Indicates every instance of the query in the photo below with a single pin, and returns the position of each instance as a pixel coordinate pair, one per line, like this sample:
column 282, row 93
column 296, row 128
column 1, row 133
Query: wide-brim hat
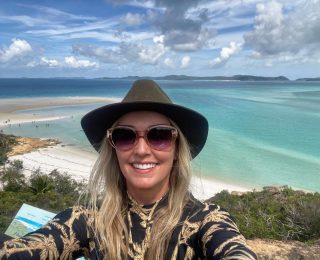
column 147, row 95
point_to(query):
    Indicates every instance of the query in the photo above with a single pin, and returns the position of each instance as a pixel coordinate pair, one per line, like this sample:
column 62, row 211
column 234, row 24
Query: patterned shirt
column 205, row 232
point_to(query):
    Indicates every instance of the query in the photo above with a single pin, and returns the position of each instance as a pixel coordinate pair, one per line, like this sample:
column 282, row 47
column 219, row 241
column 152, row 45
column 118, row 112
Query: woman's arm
column 220, row 237
column 64, row 237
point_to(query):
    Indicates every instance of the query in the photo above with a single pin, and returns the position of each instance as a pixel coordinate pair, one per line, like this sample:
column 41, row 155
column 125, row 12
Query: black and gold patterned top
column 205, row 232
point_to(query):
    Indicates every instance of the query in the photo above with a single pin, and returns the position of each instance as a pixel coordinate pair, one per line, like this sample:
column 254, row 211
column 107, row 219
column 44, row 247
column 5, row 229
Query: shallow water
column 261, row 133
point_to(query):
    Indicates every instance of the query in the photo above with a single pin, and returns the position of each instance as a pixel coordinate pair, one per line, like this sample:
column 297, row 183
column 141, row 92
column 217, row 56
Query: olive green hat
column 147, row 95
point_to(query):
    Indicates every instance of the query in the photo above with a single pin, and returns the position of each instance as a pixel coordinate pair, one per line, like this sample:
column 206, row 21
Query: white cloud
column 169, row 63
column 23, row 19
column 292, row 33
column 185, row 62
column 144, row 54
column 73, row 62
column 158, row 39
column 181, row 32
column 255, row 55
column 224, row 14
column 98, row 26
column 16, row 49
column 67, row 62
column 226, row 53
column 132, row 19
column 267, row 33
column 269, row 64
column 106, row 37
column 277, row 33
column 44, row 62
column 87, row 32
column 187, row 39
column 47, row 62
column 105, row 55
column 52, row 12
column 136, row 36
column 137, row 3
column 126, row 52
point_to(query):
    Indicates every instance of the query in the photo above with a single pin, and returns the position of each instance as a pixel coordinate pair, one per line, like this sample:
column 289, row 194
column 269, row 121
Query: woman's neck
column 146, row 197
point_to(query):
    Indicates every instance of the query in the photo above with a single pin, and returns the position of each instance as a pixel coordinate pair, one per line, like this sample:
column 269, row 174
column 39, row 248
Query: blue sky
column 115, row 38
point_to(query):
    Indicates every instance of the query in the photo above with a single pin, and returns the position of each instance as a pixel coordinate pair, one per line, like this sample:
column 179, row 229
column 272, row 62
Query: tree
column 65, row 184
column 12, row 177
column 6, row 142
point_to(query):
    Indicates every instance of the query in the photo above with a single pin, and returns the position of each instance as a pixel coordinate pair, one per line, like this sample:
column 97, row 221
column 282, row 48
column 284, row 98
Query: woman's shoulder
column 72, row 211
column 206, row 210
column 74, row 214
column 203, row 206
column 218, row 231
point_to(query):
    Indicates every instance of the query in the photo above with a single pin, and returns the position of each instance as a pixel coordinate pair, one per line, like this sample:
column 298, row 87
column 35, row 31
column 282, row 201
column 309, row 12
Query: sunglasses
column 159, row 137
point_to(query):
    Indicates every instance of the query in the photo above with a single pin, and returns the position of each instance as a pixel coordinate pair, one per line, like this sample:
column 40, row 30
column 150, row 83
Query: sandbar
column 10, row 106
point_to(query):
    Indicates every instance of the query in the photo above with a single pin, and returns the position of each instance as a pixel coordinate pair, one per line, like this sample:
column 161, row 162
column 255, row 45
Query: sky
column 118, row 38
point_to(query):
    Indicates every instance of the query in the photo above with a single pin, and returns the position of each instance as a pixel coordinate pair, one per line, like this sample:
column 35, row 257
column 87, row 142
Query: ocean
column 261, row 133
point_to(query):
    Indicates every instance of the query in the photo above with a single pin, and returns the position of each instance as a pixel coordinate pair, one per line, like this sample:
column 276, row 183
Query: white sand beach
column 79, row 163
column 76, row 162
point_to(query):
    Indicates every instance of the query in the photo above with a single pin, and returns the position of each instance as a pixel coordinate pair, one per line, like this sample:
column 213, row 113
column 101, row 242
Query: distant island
column 204, row 78
column 309, row 79
column 217, row 78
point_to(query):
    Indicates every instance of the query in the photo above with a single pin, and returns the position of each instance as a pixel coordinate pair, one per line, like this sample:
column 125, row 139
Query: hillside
column 309, row 79
column 216, row 78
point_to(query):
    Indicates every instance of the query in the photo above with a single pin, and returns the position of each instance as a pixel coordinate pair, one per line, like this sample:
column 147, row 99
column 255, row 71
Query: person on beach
column 138, row 204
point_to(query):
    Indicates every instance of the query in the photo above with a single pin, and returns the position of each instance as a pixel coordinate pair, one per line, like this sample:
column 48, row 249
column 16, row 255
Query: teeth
column 144, row 166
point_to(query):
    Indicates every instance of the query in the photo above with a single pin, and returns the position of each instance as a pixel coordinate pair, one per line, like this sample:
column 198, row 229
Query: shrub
column 11, row 202
column 12, row 178
column 40, row 182
column 282, row 214
column 65, row 184
column 53, row 192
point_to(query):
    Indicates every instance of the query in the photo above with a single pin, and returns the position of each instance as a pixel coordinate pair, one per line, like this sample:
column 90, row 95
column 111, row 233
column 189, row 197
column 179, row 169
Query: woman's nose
column 142, row 146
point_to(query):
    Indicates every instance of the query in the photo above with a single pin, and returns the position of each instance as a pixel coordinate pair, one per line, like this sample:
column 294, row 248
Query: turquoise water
column 261, row 133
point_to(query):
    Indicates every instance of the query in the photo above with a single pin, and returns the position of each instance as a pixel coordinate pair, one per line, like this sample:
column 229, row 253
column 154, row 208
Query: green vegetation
column 6, row 142
column 274, row 213
column 54, row 192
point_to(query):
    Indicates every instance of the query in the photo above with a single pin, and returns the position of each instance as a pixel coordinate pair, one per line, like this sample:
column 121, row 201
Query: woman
column 139, row 206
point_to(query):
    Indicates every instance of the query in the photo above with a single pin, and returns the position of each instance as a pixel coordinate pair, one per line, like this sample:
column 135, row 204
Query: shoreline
column 66, row 158
column 60, row 157
column 78, row 164
column 10, row 108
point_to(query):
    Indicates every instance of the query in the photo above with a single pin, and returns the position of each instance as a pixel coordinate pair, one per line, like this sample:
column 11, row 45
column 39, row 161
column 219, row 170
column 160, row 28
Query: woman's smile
column 144, row 166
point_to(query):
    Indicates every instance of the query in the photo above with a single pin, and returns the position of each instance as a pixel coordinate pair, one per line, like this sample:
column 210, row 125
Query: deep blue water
column 261, row 133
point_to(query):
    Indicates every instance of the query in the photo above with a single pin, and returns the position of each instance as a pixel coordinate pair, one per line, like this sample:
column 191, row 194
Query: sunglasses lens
column 160, row 138
column 123, row 138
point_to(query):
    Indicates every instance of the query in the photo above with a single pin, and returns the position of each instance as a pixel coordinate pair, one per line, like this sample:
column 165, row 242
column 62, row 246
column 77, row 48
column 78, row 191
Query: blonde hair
column 109, row 202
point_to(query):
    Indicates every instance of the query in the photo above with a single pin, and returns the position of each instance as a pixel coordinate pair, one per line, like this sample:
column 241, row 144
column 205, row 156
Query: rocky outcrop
column 285, row 250
column 26, row 145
